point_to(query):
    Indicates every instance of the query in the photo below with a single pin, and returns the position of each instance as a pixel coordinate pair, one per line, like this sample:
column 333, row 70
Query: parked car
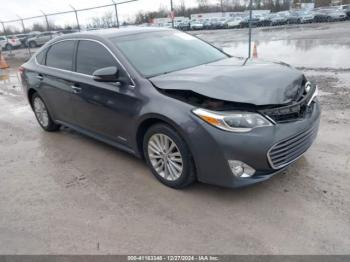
column 264, row 20
column 307, row 17
column 185, row 26
column 24, row 37
column 207, row 24
column 165, row 100
column 221, row 22
column 196, row 25
column 346, row 9
column 293, row 17
column 9, row 42
column 277, row 19
column 331, row 15
column 234, row 22
column 254, row 21
column 41, row 39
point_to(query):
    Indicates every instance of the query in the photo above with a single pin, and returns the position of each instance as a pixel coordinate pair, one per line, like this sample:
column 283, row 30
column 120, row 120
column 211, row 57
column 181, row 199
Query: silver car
column 41, row 39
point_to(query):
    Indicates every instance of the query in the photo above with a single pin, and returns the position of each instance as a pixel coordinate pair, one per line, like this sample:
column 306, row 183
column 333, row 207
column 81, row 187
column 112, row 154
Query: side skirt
column 99, row 137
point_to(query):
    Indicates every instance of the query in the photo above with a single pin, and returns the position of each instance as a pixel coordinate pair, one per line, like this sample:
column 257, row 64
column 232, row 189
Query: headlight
column 232, row 121
column 314, row 95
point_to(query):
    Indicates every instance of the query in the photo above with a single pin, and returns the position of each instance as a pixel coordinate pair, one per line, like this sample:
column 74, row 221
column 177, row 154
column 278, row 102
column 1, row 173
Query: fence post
column 76, row 16
column 172, row 13
column 24, row 31
column 116, row 12
column 23, row 27
column 250, row 28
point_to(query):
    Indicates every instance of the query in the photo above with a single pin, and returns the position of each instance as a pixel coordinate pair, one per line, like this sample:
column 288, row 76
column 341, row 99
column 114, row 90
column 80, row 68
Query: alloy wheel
column 165, row 157
column 41, row 111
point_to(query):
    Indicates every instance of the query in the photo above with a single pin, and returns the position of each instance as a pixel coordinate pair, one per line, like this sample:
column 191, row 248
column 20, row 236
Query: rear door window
column 92, row 56
column 60, row 55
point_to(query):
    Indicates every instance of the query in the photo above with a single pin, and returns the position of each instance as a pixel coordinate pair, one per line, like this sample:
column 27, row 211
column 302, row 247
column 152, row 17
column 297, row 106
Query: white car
column 196, row 25
column 9, row 43
column 234, row 22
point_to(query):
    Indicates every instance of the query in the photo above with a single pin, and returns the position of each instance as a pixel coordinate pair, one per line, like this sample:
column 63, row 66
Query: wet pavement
column 66, row 193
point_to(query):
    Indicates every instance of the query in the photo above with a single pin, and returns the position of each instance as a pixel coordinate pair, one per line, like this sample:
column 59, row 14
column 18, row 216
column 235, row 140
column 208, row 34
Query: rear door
column 56, row 79
column 101, row 108
column 43, row 38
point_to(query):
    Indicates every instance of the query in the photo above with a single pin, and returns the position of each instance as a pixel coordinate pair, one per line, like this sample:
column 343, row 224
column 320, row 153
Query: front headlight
column 232, row 121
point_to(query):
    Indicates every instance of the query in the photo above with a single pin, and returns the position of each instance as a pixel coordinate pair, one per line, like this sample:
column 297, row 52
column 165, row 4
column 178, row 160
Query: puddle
column 10, row 82
column 308, row 53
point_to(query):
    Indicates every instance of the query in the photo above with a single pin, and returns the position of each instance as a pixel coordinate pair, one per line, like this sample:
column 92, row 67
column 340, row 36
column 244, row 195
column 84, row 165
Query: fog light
column 240, row 169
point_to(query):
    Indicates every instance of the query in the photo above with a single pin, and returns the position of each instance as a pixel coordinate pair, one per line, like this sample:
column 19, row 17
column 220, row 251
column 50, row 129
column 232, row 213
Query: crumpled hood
column 253, row 81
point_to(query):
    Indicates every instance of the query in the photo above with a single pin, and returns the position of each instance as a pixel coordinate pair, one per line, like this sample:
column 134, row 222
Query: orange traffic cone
column 255, row 51
column 3, row 63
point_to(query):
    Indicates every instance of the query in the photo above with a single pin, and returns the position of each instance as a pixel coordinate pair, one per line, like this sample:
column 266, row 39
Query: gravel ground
column 66, row 193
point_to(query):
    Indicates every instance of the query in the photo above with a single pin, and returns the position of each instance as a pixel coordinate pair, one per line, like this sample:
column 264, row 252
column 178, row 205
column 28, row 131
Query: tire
column 8, row 47
column 45, row 122
column 32, row 44
column 165, row 174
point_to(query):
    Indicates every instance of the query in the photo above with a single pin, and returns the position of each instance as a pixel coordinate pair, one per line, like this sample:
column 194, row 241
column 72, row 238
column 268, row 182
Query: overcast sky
column 28, row 8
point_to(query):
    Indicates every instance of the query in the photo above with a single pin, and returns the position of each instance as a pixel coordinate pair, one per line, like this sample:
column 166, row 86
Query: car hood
column 243, row 81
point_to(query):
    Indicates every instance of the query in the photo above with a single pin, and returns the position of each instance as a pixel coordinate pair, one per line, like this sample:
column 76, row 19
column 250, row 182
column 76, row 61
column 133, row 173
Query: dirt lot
column 66, row 193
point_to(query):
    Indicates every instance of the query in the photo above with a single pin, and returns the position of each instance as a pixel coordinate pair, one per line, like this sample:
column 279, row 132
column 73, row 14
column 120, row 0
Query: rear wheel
column 168, row 156
column 8, row 47
column 42, row 114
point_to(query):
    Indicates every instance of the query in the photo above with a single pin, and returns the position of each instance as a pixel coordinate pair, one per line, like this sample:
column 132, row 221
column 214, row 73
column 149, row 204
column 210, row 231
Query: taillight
column 13, row 40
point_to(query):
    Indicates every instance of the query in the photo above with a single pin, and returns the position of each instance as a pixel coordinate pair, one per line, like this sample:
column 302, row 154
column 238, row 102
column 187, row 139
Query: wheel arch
column 30, row 94
column 153, row 119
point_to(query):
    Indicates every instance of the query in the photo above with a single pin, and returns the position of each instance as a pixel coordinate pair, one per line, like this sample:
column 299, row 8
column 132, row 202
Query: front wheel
column 168, row 156
column 42, row 114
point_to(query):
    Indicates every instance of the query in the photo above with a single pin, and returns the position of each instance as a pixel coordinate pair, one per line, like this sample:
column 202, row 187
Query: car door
column 56, row 78
column 42, row 39
column 103, row 108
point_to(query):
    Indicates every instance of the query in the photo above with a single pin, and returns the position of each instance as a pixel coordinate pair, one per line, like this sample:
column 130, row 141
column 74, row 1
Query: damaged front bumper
column 283, row 143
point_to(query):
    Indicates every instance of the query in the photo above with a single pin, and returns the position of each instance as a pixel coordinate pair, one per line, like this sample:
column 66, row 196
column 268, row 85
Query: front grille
column 294, row 111
column 290, row 149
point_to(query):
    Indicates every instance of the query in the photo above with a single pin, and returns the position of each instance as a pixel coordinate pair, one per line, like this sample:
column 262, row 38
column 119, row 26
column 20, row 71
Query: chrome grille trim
column 290, row 149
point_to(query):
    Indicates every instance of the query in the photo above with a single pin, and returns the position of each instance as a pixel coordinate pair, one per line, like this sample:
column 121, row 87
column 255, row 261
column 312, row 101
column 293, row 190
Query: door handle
column 40, row 77
column 76, row 89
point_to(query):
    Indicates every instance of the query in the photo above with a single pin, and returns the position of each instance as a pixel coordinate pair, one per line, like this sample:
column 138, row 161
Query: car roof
column 115, row 32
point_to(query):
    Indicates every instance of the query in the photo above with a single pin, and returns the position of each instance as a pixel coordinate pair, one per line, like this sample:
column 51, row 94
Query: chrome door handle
column 40, row 77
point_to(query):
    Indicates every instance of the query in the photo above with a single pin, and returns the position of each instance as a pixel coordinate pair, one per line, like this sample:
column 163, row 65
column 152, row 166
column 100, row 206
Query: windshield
column 156, row 53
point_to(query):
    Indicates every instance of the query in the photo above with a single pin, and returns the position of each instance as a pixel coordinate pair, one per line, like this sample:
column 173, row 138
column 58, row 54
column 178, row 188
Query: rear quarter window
column 40, row 58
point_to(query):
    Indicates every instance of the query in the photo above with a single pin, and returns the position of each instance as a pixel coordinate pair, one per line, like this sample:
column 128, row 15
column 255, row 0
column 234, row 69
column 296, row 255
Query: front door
column 103, row 108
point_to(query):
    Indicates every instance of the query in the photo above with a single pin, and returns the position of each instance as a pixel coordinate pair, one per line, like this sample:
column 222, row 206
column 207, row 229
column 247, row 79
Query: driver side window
column 92, row 56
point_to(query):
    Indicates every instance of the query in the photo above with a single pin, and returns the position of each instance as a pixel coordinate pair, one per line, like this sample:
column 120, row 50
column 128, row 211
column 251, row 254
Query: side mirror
column 106, row 74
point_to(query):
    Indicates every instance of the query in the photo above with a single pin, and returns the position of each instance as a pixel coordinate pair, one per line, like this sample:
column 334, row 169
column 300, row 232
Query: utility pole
column 222, row 6
column 172, row 13
column 76, row 16
column 250, row 28
column 116, row 12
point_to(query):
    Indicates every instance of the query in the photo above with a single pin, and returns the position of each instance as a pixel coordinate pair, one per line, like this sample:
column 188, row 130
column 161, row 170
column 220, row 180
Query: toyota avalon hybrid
column 191, row 111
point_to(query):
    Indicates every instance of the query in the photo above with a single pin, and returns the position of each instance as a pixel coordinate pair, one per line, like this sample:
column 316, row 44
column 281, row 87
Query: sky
column 28, row 8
